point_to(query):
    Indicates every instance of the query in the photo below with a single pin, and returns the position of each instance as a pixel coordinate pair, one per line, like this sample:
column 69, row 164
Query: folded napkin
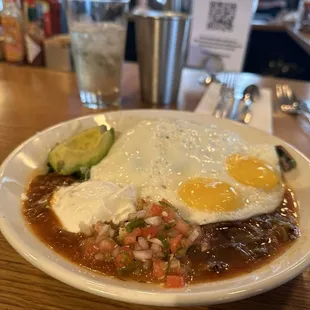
column 261, row 110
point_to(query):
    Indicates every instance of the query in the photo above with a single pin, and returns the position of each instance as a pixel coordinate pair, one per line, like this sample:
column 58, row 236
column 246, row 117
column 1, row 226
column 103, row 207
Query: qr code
column 222, row 16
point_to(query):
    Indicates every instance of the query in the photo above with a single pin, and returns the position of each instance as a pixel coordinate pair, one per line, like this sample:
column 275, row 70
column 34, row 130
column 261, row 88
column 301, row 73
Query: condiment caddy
column 27, row 25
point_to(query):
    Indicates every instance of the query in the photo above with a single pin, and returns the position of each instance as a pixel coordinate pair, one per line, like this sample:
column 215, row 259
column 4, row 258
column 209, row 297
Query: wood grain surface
column 33, row 99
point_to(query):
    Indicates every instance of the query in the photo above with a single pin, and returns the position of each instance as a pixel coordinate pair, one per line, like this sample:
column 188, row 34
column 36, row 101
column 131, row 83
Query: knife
column 245, row 113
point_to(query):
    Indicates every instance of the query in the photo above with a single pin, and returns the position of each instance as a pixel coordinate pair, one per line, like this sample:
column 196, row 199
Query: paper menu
column 219, row 34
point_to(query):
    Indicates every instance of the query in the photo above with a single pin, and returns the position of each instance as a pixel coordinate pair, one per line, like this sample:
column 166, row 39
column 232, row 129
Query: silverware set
column 228, row 106
column 227, row 95
column 241, row 109
column 289, row 103
column 251, row 95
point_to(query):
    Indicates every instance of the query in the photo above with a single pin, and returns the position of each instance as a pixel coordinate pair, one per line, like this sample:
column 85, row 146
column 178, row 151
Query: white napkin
column 261, row 110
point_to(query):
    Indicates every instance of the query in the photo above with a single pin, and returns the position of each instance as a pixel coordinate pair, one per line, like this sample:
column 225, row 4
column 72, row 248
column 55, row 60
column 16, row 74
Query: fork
column 225, row 103
column 289, row 102
column 285, row 94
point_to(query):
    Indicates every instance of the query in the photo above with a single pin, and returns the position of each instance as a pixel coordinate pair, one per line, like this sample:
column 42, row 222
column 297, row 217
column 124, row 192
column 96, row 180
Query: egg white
column 156, row 156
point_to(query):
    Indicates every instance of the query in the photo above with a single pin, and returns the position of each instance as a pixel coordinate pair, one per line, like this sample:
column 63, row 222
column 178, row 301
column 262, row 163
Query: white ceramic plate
column 18, row 168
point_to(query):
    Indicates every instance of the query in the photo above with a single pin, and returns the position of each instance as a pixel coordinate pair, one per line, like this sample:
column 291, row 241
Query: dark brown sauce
column 234, row 248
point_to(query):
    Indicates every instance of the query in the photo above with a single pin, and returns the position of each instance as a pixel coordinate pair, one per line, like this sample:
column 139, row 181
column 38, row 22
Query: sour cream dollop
column 93, row 201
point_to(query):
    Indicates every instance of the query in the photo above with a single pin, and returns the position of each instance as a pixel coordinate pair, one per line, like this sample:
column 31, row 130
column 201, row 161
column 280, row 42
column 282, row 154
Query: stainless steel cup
column 162, row 39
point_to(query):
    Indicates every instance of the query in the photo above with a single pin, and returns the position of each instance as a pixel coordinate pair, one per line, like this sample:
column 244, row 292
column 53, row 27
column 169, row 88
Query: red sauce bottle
column 49, row 15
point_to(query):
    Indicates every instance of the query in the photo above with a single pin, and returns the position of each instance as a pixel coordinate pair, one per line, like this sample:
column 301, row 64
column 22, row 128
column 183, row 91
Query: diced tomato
column 137, row 231
column 175, row 282
column 174, row 243
column 151, row 231
column 156, row 210
column 124, row 258
column 107, row 245
column 182, row 227
column 159, row 269
column 131, row 238
column 170, row 215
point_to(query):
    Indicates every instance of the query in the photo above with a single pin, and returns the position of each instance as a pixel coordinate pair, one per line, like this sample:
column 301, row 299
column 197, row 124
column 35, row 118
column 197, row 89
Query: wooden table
column 33, row 99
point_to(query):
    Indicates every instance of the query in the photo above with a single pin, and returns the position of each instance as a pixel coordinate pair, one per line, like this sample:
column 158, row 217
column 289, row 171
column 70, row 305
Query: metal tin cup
column 162, row 39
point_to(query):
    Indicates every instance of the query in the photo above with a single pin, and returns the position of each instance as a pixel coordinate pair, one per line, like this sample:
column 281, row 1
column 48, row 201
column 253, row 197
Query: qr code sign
column 222, row 16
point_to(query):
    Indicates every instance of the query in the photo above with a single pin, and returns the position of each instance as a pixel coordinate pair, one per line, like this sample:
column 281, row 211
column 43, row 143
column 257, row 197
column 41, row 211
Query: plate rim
column 186, row 298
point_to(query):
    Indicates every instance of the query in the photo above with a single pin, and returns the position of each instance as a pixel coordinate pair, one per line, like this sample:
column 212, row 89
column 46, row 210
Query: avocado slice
column 81, row 151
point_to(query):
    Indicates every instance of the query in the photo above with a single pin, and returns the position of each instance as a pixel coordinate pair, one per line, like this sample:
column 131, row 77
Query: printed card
column 219, row 34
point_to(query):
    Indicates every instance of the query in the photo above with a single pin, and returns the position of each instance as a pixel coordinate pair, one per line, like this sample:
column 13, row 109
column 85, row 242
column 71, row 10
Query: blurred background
column 279, row 43
column 273, row 47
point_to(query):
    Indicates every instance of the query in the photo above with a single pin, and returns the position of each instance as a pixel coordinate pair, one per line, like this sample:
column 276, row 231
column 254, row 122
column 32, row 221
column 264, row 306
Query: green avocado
column 81, row 151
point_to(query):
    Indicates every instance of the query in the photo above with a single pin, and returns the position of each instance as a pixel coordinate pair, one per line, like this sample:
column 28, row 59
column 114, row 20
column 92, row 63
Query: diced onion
column 99, row 238
column 154, row 220
column 121, row 233
column 138, row 247
column 140, row 214
column 156, row 241
column 111, row 232
column 155, row 248
column 85, row 229
column 175, row 263
column 143, row 243
column 98, row 226
column 194, row 235
column 143, row 255
column 205, row 246
column 104, row 231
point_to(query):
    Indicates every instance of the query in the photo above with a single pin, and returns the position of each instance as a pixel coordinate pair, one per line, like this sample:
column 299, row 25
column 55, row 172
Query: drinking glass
column 98, row 34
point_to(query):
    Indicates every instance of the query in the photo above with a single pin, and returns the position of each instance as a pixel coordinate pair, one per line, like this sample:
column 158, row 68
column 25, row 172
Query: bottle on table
column 303, row 20
column 13, row 32
column 49, row 12
column 34, row 37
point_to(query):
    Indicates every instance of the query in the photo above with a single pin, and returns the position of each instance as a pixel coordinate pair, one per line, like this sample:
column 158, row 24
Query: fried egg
column 209, row 174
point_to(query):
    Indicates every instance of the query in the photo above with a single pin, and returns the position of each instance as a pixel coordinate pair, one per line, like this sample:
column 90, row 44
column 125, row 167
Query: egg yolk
column 252, row 171
column 211, row 195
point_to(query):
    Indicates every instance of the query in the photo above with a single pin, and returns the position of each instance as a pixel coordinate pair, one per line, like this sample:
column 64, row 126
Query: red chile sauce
column 235, row 248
